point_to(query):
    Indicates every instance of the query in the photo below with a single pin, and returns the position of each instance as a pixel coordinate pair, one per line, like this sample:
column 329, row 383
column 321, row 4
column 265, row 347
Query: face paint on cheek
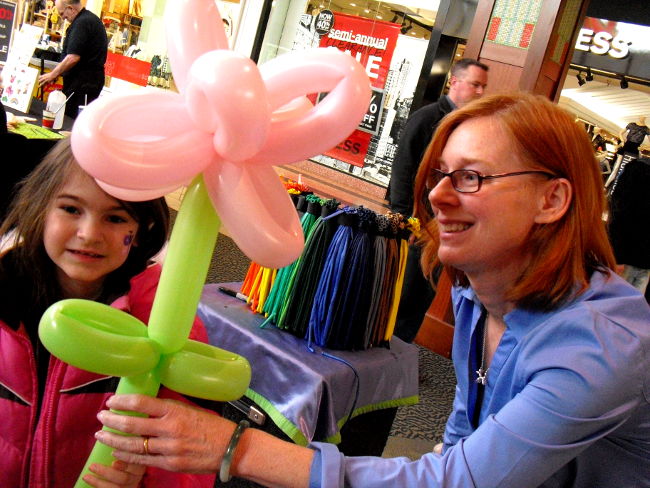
column 128, row 239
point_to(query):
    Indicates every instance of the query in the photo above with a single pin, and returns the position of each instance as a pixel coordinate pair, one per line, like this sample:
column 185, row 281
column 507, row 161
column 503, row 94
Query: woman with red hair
column 551, row 348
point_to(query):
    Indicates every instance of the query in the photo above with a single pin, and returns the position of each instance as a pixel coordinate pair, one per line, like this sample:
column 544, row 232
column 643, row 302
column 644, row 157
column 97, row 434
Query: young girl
column 72, row 240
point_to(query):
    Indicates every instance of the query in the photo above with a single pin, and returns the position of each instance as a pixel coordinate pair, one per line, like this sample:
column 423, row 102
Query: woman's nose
column 443, row 193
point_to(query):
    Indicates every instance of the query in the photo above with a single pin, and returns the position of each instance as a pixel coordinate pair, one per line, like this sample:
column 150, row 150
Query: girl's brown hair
column 563, row 254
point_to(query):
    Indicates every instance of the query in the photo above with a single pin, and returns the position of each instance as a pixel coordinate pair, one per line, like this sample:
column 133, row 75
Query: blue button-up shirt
column 567, row 403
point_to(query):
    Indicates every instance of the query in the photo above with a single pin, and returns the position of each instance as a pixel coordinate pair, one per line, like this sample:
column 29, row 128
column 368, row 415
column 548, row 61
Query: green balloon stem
column 146, row 384
column 185, row 269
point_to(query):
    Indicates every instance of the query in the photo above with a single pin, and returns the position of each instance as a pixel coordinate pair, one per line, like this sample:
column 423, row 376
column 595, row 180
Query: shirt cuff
column 316, row 470
column 327, row 466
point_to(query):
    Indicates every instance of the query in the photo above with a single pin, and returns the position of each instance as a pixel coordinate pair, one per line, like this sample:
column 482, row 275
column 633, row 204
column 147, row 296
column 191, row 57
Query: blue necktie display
column 343, row 291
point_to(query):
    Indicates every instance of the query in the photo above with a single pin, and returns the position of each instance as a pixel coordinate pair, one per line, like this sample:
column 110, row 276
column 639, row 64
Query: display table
column 36, row 111
column 309, row 395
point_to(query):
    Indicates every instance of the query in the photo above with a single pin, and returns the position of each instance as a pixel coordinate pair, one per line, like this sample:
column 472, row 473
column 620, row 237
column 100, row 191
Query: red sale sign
column 372, row 43
column 126, row 68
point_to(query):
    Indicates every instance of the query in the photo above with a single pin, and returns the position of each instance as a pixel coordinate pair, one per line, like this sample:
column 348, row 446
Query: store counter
column 310, row 395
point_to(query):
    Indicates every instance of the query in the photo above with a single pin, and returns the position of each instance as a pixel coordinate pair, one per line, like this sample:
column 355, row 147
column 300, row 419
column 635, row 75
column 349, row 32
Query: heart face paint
column 128, row 239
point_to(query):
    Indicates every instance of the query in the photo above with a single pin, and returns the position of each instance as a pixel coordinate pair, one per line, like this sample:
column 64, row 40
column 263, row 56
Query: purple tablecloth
column 308, row 395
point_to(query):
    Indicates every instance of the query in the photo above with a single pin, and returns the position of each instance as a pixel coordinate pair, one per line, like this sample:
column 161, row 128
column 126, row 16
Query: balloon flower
column 231, row 121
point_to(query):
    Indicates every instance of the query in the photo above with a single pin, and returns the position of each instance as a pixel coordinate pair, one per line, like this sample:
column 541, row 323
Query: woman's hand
column 180, row 437
column 119, row 475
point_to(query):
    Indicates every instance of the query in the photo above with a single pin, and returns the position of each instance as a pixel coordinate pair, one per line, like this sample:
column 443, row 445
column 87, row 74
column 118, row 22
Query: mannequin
column 633, row 136
column 598, row 140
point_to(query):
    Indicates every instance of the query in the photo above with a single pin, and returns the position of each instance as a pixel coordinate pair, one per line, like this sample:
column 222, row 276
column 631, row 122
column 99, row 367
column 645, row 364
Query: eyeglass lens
column 463, row 180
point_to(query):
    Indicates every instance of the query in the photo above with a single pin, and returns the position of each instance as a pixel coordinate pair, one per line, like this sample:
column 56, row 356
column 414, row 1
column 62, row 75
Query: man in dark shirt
column 467, row 82
column 83, row 56
column 629, row 208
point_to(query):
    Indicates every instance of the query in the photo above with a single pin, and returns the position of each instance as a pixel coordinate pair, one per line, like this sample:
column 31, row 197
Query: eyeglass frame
column 479, row 176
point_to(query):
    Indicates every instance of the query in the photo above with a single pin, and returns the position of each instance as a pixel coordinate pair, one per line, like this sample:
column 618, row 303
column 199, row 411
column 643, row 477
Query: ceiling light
column 624, row 84
column 378, row 16
column 581, row 79
column 589, row 76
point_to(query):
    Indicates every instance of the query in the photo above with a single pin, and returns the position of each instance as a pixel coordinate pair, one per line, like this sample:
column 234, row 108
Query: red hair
column 563, row 254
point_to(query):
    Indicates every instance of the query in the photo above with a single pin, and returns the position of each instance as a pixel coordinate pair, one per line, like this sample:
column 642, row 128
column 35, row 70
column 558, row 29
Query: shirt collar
column 521, row 321
column 451, row 102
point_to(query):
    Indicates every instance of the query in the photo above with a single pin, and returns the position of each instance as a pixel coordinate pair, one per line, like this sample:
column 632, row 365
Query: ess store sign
column 603, row 43
column 372, row 43
column 613, row 46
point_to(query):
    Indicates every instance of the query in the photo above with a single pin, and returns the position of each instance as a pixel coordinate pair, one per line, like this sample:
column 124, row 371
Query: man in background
column 629, row 205
column 82, row 58
column 467, row 82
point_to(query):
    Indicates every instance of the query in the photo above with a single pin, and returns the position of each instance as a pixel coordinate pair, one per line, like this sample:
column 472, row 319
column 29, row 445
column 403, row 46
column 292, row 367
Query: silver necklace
column 482, row 371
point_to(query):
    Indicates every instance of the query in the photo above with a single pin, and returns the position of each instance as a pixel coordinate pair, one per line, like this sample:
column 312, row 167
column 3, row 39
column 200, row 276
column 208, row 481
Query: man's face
column 468, row 85
column 63, row 9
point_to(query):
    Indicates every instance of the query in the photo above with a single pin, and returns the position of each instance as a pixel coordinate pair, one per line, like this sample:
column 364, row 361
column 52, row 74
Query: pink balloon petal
column 143, row 141
column 257, row 211
column 194, row 27
column 130, row 195
column 296, row 108
column 330, row 121
column 240, row 121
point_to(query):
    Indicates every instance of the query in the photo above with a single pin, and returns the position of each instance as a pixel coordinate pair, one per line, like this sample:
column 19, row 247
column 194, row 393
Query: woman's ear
column 554, row 200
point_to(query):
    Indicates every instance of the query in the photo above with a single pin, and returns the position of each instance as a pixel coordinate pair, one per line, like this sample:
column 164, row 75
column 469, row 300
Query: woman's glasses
column 470, row 181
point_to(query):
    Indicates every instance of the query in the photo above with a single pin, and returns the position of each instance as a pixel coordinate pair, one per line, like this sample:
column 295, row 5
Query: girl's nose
column 89, row 228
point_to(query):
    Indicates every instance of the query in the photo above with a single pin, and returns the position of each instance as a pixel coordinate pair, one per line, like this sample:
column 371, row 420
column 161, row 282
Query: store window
column 389, row 39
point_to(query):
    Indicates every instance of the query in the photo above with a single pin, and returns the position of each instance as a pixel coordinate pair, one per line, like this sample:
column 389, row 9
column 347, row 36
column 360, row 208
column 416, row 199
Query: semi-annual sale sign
column 372, row 43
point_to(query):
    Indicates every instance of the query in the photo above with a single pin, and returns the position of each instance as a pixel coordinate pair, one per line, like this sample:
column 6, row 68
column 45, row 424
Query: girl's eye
column 117, row 219
column 71, row 209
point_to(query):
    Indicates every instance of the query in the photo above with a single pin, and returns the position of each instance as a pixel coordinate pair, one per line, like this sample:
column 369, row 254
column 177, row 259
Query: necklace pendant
column 481, row 378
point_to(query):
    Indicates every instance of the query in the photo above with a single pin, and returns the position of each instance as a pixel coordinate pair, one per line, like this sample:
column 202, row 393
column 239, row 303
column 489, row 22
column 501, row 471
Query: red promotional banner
column 128, row 69
column 372, row 43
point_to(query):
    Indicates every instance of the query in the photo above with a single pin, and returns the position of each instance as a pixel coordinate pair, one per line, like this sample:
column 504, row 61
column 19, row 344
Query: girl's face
column 87, row 235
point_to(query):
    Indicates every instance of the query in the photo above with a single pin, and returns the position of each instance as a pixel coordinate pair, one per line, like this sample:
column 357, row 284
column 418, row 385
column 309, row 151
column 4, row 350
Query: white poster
column 23, row 44
column 18, row 81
